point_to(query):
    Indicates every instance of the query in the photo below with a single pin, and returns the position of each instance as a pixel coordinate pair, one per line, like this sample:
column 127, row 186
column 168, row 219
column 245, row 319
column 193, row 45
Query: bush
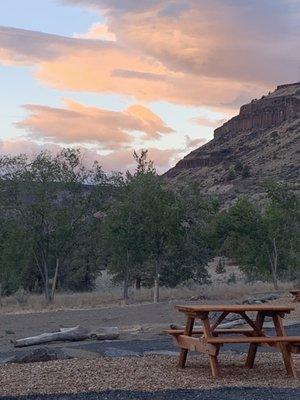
column 221, row 266
column 246, row 171
column 231, row 174
column 231, row 279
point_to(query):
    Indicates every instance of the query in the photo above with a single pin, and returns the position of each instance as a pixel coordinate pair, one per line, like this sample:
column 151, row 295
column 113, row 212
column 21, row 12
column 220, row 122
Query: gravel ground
column 224, row 393
column 150, row 374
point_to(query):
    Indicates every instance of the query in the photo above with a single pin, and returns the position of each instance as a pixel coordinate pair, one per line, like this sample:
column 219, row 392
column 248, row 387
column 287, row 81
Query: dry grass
column 149, row 373
column 113, row 296
column 107, row 294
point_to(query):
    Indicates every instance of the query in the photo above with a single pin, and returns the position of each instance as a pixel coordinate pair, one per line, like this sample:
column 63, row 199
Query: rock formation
column 260, row 143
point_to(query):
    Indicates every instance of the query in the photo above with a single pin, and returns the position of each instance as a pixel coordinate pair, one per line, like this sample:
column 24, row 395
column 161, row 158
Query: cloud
column 190, row 52
column 123, row 160
column 97, row 31
column 118, row 160
column 77, row 123
column 209, row 122
column 24, row 146
column 192, row 144
column 219, row 38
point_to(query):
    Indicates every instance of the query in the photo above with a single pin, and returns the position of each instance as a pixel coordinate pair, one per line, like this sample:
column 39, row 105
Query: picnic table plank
column 213, row 359
column 188, row 331
column 286, row 354
column 259, row 322
column 232, row 308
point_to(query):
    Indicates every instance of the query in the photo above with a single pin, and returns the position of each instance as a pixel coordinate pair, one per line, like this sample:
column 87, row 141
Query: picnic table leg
column 253, row 346
column 284, row 347
column 188, row 331
column 213, row 360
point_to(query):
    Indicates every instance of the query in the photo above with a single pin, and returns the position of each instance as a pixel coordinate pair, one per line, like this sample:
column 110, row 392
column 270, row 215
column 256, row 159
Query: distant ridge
column 260, row 143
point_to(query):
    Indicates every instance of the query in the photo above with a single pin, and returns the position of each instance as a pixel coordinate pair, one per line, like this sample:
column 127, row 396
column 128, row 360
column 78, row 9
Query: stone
column 115, row 352
column 259, row 143
column 80, row 353
column 105, row 333
column 37, row 355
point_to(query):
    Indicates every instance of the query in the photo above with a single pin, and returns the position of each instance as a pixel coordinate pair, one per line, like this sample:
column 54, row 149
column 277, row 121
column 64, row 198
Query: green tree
column 153, row 233
column 53, row 199
column 265, row 242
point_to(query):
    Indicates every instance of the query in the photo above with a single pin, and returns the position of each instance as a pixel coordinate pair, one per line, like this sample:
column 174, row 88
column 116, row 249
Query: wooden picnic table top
column 206, row 308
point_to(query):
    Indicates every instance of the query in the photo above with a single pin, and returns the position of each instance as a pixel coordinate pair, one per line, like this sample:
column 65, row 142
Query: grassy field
column 33, row 302
column 107, row 294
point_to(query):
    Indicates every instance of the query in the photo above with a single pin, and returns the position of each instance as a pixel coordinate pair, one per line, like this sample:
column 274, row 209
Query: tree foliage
column 62, row 222
column 265, row 242
column 49, row 201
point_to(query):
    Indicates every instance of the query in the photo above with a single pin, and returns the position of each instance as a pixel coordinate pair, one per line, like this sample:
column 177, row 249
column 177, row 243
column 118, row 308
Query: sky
column 113, row 76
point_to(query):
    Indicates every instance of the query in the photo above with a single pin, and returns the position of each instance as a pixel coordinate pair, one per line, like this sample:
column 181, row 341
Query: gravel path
column 224, row 393
column 149, row 374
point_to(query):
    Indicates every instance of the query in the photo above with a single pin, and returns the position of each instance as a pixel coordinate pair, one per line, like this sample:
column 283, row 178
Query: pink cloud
column 118, row 160
column 192, row 52
column 97, row 31
column 77, row 123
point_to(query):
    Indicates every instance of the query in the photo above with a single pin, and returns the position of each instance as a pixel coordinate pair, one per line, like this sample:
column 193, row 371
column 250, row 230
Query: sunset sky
column 111, row 76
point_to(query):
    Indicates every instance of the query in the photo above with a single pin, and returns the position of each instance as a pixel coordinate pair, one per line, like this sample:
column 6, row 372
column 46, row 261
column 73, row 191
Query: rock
column 262, row 299
column 161, row 353
column 197, row 298
column 257, row 144
column 109, row 333
column 80, row 353
column 38, row 355
column 252, row 301
column 175, row 326
column 115, row 352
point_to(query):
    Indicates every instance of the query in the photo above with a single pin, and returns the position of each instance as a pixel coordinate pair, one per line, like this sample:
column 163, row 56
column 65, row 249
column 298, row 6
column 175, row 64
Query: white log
column 231, row 324
column 225, row 325
column 65, row 334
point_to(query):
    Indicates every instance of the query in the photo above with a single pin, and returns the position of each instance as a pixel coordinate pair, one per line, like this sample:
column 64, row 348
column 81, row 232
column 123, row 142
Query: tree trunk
column 47, row 288
column 54, row 283
column 137, row 284
column 156, row 281
column 126, row 279
column 274, row 264
column 0, row 294
column 125, row 290
column 156, row 289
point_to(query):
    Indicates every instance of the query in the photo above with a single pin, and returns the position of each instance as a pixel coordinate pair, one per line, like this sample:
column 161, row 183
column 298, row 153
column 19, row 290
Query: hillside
column 260, row 143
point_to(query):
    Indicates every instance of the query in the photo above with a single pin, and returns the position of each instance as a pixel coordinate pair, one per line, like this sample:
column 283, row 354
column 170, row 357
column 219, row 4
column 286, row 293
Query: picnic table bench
column 296, row 294
column 210, row 338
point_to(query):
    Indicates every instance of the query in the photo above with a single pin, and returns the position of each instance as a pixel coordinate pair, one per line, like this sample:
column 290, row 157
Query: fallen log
column 64, row 334
column 225, row 325
column 107, row 333
column 76, row 333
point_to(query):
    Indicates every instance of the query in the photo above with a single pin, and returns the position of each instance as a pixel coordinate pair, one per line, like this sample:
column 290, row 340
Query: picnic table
column 210, row 338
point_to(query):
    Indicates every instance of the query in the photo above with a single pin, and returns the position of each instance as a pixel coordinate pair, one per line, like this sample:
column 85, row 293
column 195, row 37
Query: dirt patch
column 145, row 321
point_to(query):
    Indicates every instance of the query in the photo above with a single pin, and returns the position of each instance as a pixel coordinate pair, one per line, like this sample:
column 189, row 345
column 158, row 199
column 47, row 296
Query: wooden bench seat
column 242, row 331
column 295, row 340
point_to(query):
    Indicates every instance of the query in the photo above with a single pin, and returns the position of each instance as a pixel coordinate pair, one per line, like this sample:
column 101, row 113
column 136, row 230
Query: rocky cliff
column 260, row 143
